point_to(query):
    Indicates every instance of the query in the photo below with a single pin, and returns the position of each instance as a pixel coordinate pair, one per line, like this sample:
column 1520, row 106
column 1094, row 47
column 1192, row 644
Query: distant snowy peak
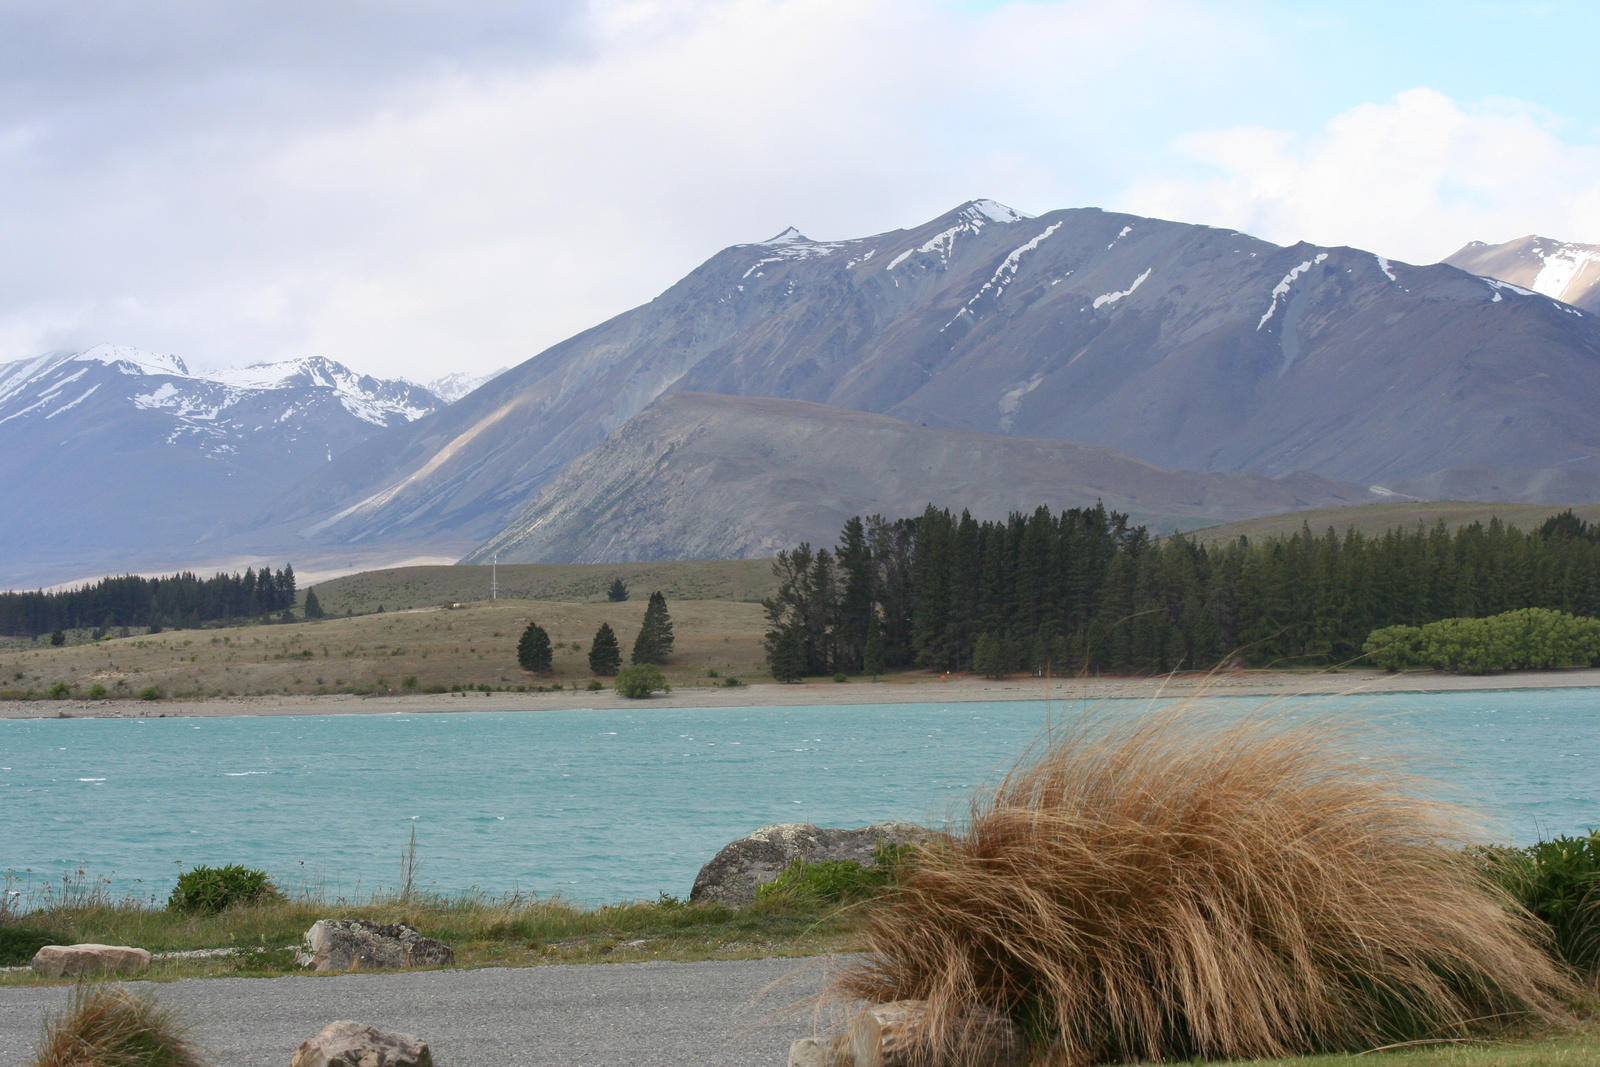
column 452, row 387
column 994, row 211
column 49, row 386
column 133, row 360
column 1562, row 270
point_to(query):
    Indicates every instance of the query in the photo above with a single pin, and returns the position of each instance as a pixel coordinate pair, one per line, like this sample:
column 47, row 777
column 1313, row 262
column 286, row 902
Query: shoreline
column 915, row 689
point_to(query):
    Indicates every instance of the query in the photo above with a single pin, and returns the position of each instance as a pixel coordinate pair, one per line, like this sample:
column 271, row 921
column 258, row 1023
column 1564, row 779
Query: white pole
column 494, row 577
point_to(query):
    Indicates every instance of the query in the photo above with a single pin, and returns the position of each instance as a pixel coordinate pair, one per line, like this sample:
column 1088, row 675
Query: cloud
column 1414, row 178
column 416, row 187
column 417, row 192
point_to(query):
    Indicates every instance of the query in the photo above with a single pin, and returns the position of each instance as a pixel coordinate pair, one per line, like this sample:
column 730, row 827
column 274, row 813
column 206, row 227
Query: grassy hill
column 1377, row 518
column 743, row 580
column 470, row 646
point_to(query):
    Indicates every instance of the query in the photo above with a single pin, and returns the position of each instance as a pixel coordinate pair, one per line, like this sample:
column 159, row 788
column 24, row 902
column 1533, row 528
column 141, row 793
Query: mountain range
column 113, row 453
column 987, row 358
column 1188, row 347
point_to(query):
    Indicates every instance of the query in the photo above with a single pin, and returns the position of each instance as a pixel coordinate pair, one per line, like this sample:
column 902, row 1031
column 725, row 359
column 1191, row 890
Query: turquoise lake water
column 600, row 806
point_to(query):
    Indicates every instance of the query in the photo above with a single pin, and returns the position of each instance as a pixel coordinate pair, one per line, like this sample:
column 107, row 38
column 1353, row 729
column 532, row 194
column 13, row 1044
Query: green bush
column 640, row 681
column 1558, row 881
column 60, row 691
column 841, row 677
column 1528, row 639
column 836, row 881
column 151, row 692
column 212, row 889
column 18, row 942
column 595, row 684
column 97, row 692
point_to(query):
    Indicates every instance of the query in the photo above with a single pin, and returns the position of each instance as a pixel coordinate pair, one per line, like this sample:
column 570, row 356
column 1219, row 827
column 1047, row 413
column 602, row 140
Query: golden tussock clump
column 1172, row 886
column 107, row 1026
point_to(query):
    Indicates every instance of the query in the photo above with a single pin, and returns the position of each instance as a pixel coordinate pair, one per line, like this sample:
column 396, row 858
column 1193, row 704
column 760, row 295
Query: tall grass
column 107, row 1026
column 1171, row 887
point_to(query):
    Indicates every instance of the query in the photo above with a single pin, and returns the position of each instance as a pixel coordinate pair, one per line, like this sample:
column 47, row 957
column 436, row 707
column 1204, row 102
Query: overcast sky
column 415, row 187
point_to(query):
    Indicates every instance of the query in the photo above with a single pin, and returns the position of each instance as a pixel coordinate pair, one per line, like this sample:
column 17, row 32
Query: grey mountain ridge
column 112, row 455
column 704, row 476
column 1188, row 347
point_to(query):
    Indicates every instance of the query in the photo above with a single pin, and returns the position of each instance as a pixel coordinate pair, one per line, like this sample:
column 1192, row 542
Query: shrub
column 19, row 942
column 841, row 677
column 1530, row 638
column 97, row 692
column 408, row 682
column 835, row 881
column 151, row 692
column 595, row 685
column 640, row 681
column 107, row 1026
column 211, row 889
column 1163, row 888
column 1558, row 881
column 60, row 691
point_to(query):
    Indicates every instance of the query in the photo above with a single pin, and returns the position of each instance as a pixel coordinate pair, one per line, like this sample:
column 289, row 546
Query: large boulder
column 892, row 1035
column 83, row 961
column 349, row 1044
column 734, row 873
column 360, row 945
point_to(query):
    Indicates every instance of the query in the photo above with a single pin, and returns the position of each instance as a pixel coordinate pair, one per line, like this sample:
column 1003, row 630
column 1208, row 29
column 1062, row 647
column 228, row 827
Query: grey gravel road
column 607, row 1015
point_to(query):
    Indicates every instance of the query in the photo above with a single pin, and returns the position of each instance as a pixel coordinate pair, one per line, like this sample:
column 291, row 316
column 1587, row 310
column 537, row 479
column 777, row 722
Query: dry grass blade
column 1173, row 886
column 108, row 1026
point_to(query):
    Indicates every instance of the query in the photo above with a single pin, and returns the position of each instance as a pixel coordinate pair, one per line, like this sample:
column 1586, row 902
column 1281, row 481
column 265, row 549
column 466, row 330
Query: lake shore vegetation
column 1084, row 592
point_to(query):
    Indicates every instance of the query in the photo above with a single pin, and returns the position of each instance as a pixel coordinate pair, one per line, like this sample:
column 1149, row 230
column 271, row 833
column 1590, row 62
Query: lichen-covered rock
column 350, row 1044
column 82, row 961
column 360, row 945
column 734, row 873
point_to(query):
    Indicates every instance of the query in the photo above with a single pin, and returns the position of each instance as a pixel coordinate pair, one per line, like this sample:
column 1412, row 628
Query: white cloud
column 476, row 212
column 1414, row 178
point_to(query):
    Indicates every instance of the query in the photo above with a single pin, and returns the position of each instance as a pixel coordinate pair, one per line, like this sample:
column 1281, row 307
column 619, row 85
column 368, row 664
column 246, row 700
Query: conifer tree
column 533, row 651
column 313, row 605
column 987, row 657
column 654, row 643
column 605, row 655
column 872, row 655
column 618, row 591
column 784, row 658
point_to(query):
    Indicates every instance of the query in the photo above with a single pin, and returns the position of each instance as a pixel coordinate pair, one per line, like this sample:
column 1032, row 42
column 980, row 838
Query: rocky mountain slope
column 702, row 476
column 110, row 455
column 1185, row 346
column 1559, row 269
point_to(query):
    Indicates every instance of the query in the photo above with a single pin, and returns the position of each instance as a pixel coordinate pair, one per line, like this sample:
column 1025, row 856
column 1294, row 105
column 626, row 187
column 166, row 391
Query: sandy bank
column 916, row 689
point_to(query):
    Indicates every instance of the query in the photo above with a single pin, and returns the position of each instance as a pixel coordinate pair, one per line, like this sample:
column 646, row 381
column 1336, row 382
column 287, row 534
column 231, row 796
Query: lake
column 601, row 806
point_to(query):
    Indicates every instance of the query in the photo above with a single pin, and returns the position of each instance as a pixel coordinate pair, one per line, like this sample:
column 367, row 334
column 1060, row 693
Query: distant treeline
column 182, row 600
column 1084, row 590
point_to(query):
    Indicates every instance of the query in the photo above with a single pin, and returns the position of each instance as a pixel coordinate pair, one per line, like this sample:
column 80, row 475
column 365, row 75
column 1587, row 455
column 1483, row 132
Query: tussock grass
column 1172, row 887
column 108, row 1026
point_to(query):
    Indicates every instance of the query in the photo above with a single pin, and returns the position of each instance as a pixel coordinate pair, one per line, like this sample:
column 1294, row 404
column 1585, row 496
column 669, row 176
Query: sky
column 419, row 187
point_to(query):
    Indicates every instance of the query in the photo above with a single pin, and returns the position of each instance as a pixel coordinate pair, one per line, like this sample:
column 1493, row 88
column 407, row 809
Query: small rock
column 75, row 961
column 734, row 873
column 810, row 1052
column 890, row 1035
column 357, row 944
column 350, row 1044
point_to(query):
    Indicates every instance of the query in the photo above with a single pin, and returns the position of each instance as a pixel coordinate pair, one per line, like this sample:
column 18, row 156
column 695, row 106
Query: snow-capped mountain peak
column 133, row 360
column 993, row 211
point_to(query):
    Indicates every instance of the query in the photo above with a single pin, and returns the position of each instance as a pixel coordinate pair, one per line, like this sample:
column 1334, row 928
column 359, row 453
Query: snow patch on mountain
column 1281, row 290
column 1562, row 265
column 1112, row 298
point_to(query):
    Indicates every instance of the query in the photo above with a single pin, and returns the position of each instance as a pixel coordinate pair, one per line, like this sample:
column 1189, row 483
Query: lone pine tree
column 618, row 591
column 654, row 643
column 605, row 655
column 533, row 651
